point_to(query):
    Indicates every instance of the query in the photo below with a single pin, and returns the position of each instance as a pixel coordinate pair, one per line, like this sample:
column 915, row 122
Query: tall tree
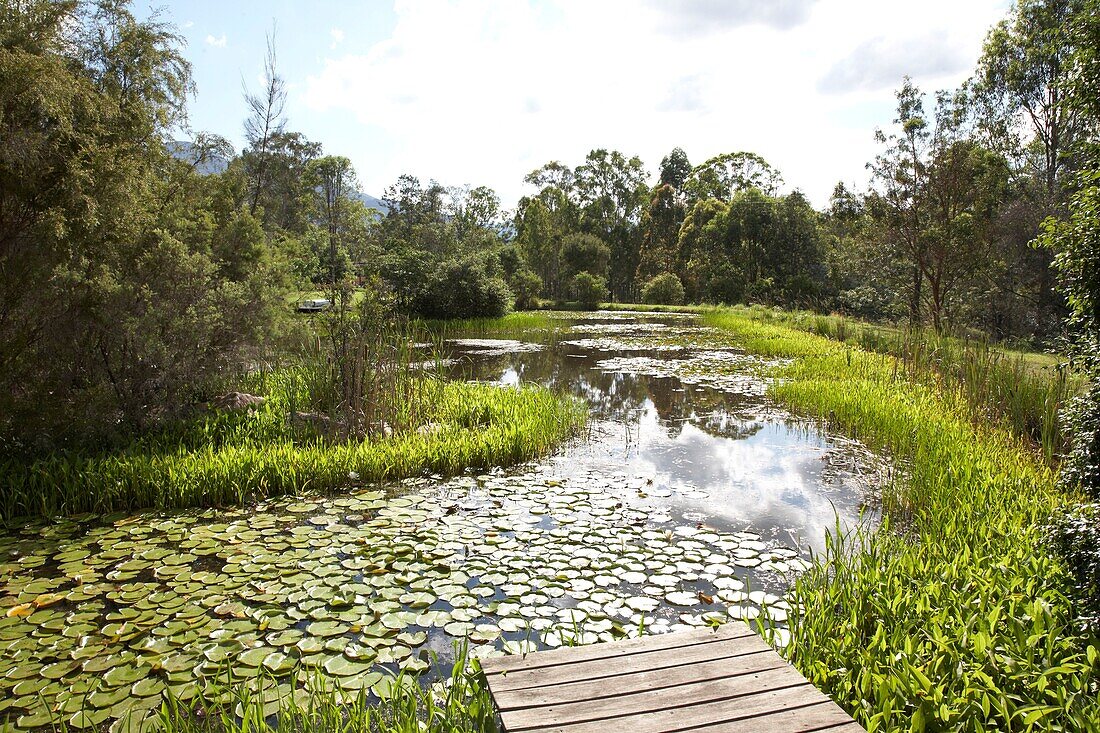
column 1025, row 68
column 899, row 174
column 660, row 233
column 266, row 120
column 675, row 169
column 724, row 175
column 610, row 190
column 333, row 179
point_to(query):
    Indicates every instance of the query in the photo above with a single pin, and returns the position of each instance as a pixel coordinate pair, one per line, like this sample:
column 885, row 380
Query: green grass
column 1023, row 391
column 225, row 459
column 953, row 614
column 513, row 324
column 461, row 705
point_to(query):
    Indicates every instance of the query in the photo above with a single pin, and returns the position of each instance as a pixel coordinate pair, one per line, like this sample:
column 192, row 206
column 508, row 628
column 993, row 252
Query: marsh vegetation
column 870, row 429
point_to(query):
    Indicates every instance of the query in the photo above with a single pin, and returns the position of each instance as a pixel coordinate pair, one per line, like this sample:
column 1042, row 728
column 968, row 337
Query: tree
column 675, row 169
column 266, row 120
column 333, row 180
column 610, row 190
column 660, row 233
column 1025, row 67
column 539, row 242
column 900, row 174
column 665, row 289
column 474, row 209
column 128, row 283
column 726, row 174
column 589, row 290
column 585, row 253
column 526, row 286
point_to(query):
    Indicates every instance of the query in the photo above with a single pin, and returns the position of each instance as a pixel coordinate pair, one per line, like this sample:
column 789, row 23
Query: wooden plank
column 655, row 701
column 755, row 661
column 737, row 709
column 572, row 655
column 699, row 681
column 625, row 664
column 825, row 717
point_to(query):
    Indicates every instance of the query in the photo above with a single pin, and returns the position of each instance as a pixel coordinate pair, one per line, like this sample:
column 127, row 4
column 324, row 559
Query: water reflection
column 746, row 465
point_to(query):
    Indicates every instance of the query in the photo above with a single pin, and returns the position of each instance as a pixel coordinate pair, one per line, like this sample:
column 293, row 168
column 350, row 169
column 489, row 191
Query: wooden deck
column 709, row 680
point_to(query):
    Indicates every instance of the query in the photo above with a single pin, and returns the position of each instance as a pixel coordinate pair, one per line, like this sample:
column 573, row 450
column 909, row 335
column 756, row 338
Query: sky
column 481, row 92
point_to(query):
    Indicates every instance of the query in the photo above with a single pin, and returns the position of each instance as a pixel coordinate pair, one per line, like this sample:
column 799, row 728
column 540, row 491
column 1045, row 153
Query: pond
column 691, row 500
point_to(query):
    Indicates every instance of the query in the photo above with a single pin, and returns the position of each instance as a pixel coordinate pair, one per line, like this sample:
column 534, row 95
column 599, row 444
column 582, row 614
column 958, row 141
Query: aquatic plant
column 232, row 459
column 954, row 614
column 1025, row 391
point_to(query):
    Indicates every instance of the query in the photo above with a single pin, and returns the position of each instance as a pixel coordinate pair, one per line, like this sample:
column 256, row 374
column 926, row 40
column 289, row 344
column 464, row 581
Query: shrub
column 588, row 290
column 462, row 289
column 526, row 285
column 665, row 289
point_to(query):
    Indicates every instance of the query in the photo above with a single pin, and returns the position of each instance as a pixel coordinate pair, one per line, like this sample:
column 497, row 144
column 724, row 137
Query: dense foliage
column 664, row 289
column 127, row 282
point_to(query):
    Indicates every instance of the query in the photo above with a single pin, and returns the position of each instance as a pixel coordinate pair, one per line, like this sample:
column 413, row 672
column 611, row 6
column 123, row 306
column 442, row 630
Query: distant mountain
column 372, row 203
column 183, row 150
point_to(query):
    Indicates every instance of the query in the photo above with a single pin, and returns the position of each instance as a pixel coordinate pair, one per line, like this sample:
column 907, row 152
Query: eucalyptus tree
column 724, row 175
column 610, row 191
column 333, row 180
column 660, row 226
column 1025, row 71
column 675, row 169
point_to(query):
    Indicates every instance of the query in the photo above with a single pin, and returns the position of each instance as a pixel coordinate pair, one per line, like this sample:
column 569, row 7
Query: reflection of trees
column 620, row 397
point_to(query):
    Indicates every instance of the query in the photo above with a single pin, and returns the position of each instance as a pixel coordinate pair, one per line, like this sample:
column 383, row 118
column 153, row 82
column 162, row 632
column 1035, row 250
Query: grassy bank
column 233, row 458
column 1024, row 390
column 952, row 615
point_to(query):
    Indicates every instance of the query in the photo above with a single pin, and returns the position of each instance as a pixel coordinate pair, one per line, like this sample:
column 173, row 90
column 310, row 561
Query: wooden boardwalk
column 708, row 680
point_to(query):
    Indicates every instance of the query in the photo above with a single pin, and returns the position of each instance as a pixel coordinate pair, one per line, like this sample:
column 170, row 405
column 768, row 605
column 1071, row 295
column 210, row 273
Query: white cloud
column 188, row 24
column 483, row 91
column 216, row 42
column 880, row 63
column 337, row 37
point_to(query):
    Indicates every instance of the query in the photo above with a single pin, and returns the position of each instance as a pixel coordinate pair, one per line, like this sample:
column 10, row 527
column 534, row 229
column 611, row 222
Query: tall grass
column 232, row 459
column 460, row 703
column 953, row 614
column 522, row 323
column 1025, row 391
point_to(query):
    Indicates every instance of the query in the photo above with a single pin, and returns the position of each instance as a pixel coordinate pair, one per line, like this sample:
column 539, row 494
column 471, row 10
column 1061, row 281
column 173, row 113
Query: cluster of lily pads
column 101, row 622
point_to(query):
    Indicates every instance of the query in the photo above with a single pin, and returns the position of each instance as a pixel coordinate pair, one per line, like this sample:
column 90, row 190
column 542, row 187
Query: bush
column 665, row 289
column 462, row 289
column 1075, row 535
column 526, row 285
column 588, row 290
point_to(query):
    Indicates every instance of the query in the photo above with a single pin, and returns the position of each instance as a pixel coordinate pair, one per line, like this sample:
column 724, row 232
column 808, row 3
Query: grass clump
column 225, row 459
column 954, row 614
column 457, row 703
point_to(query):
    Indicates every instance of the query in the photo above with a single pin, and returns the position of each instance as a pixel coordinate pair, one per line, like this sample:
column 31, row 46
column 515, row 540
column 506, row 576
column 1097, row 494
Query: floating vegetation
column 727, row 371
column 100, row 620
column 496, row 346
